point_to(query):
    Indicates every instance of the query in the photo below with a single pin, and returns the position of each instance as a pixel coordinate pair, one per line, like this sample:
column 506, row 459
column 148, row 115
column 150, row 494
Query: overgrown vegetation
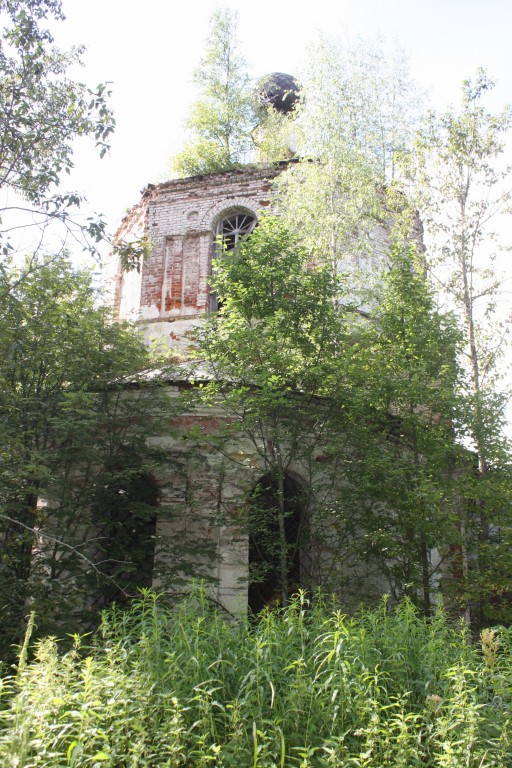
column 63, row 423
column 43, row 111
column 78, row 493
column 359, row 142
column 358, row 405
column 462, row 187
column 339, row 369
column 77, row 486
column 222, row 118
column 304, row 687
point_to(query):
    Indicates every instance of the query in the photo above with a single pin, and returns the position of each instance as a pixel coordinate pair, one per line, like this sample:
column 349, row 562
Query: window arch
column 234, row 227
column 231, row 228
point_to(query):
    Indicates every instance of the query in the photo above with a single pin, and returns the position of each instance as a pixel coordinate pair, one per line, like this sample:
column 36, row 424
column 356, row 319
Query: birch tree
column 221, row 119
column 463, row 191
column 355, row 117
column 42, row 112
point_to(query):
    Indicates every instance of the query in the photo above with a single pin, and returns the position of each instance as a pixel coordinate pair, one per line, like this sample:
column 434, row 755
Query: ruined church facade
column 204, row 488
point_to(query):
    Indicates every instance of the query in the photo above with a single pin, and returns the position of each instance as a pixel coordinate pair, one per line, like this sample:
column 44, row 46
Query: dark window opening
column 230, row 231
column 234, row 228
column 267, row 550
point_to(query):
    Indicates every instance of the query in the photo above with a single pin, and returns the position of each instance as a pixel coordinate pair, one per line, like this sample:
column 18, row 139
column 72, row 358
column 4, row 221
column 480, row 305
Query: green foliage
column 222, row 118
column 461, row 185
column 75, row 515
column 358, row 95
column 355, row 117
column 42, row 112
column 132, row 254
column 278, row 320
column 275, row 135
column 302, row 687
column 360, row 405
column 350, row 131
column 275, row 343
column 461, row 190
column 401, row 428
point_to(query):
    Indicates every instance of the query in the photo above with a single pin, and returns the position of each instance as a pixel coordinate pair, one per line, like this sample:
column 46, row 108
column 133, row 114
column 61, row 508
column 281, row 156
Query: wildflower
column 490, row 643
column 433, row 701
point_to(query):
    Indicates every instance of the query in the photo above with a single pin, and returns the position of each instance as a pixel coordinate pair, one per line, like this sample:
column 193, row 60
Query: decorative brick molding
column 180, row 218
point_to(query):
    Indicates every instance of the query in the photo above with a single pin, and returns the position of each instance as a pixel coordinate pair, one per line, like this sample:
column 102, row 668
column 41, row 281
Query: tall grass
column 304, row 687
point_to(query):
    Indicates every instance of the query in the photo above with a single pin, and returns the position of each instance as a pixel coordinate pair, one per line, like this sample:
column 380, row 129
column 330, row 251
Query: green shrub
column 306, row 687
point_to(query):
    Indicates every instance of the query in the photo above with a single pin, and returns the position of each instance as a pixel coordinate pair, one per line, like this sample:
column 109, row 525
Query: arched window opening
column 230, row 231
column 277, row 537
column 235, row 227
column 125, row 510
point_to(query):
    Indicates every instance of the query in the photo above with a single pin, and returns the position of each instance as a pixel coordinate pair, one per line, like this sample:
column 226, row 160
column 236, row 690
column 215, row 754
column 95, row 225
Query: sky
column 148, row 51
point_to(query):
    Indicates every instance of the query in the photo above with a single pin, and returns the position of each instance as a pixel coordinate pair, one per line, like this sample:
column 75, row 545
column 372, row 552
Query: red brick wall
column 180, row 218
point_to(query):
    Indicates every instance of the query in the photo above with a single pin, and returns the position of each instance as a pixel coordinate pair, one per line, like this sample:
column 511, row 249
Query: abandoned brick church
column 209, row 491
column 168, row 298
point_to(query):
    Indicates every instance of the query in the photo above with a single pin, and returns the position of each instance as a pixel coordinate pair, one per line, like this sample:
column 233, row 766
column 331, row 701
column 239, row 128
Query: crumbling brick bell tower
column 167, row 298
column 214, row 477
column 182, row 219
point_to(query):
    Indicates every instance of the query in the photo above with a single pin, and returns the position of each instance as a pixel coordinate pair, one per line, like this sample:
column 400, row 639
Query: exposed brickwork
column 180, row 217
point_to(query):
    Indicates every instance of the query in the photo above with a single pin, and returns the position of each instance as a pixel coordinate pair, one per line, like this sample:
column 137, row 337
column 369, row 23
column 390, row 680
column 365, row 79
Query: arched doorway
column 277, row 536
column 126, row 512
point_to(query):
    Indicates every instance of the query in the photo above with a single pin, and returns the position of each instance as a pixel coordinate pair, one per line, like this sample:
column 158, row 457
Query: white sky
column 149, row 49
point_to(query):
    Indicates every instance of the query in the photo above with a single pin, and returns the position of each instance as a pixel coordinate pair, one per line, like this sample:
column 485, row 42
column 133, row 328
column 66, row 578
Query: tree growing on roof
column 221, row 120
column 356, row 116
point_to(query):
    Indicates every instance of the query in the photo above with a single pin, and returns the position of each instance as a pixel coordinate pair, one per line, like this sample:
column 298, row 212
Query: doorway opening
column 276, row 551
column 126, row 510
